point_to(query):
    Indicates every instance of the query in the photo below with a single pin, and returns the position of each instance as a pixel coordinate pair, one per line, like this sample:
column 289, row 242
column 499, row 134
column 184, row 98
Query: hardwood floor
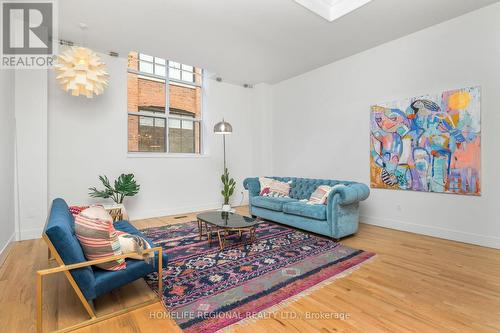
column 415, row 284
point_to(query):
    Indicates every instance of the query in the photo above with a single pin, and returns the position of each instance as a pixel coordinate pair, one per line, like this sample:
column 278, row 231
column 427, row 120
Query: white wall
column 31, row 152
column 262, row 129
column 321, row 122
column 7, row 125
column 88, row 137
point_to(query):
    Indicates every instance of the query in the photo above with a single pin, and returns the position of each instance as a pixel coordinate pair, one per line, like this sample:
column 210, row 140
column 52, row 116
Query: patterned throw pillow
column 133, row 243
column 264, row 192
column 279, row 189
column 265, row 184
column 97, row 235
column 319, row 196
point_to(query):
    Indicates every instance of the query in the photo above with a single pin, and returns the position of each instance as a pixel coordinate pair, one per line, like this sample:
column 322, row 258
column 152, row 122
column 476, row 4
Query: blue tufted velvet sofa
column 92, row 281
column 337, row 219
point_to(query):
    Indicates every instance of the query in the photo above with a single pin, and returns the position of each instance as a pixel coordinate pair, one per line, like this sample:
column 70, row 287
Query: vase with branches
column 124, row 186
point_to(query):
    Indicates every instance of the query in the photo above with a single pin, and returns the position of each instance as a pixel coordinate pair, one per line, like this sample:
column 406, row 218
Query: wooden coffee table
column 223, row 223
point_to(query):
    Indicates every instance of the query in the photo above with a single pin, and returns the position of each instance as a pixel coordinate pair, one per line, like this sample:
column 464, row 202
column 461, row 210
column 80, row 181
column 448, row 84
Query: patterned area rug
column 208, row 289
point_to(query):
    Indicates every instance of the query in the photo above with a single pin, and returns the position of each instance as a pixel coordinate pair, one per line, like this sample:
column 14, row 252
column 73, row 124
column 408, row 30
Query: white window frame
column 166, row 115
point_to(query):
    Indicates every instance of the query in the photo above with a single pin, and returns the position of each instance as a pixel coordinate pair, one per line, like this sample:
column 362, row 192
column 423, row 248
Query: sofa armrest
column 349, row 194
column 252, row 185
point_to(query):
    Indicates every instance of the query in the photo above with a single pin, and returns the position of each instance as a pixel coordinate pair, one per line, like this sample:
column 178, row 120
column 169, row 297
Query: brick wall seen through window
column 164, row 105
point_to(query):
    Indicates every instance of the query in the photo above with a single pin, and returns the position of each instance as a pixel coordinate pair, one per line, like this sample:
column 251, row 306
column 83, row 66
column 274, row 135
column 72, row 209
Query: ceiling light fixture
column 332, row 9
column 81, row 70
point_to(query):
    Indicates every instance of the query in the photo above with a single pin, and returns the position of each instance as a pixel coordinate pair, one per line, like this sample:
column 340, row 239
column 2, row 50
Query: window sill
column 164, row 155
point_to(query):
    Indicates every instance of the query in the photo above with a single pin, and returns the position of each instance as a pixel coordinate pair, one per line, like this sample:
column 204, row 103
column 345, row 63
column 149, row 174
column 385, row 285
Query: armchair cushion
column 317, row 212
column 109, row 280
column 105, row 281
column 272, row 203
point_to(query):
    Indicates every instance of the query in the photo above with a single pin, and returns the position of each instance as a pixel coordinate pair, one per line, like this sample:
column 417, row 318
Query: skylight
column 332, row 9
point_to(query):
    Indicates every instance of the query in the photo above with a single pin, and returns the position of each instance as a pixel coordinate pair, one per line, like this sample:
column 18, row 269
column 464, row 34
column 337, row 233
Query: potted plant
column 124, row 186
column 228, row 189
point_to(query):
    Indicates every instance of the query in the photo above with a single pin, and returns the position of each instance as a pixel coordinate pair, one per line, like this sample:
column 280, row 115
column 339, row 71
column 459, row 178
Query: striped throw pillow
column 319, row 196
column 279, row 189
column 98, row 238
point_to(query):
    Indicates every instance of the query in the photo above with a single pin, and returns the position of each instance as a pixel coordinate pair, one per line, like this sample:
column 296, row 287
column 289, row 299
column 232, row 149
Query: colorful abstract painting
column 430, row 143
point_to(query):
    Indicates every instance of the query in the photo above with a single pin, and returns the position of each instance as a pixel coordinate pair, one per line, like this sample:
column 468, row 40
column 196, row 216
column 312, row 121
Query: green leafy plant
column 229, row 185
column 124, row 186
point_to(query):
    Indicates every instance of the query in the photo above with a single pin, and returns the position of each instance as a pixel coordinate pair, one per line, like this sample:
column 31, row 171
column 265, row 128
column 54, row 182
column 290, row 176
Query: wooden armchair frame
column 88, row 306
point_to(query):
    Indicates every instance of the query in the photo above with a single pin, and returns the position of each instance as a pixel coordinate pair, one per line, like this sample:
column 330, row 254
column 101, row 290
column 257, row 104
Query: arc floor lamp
column 223, row 128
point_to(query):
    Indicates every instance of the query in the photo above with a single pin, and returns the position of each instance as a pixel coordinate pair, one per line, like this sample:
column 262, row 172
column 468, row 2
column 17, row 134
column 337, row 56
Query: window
column 164, row 105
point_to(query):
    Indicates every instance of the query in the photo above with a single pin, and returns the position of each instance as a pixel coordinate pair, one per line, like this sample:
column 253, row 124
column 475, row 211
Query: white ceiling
column 247, row 41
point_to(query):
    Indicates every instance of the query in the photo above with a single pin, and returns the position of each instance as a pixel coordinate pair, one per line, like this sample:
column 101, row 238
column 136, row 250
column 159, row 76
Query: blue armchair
column 337, row 219
column 87, row 280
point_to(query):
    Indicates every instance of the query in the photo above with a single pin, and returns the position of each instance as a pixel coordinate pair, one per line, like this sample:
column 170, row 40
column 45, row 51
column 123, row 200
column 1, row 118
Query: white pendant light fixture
column 81, row 71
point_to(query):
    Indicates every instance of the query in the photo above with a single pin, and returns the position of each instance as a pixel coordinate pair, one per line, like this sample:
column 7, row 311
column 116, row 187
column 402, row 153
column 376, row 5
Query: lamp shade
column 81, row 71
column 223, row 127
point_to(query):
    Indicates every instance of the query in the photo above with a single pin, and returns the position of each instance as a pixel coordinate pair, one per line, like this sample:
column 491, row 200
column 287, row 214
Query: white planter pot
column 226, row 208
